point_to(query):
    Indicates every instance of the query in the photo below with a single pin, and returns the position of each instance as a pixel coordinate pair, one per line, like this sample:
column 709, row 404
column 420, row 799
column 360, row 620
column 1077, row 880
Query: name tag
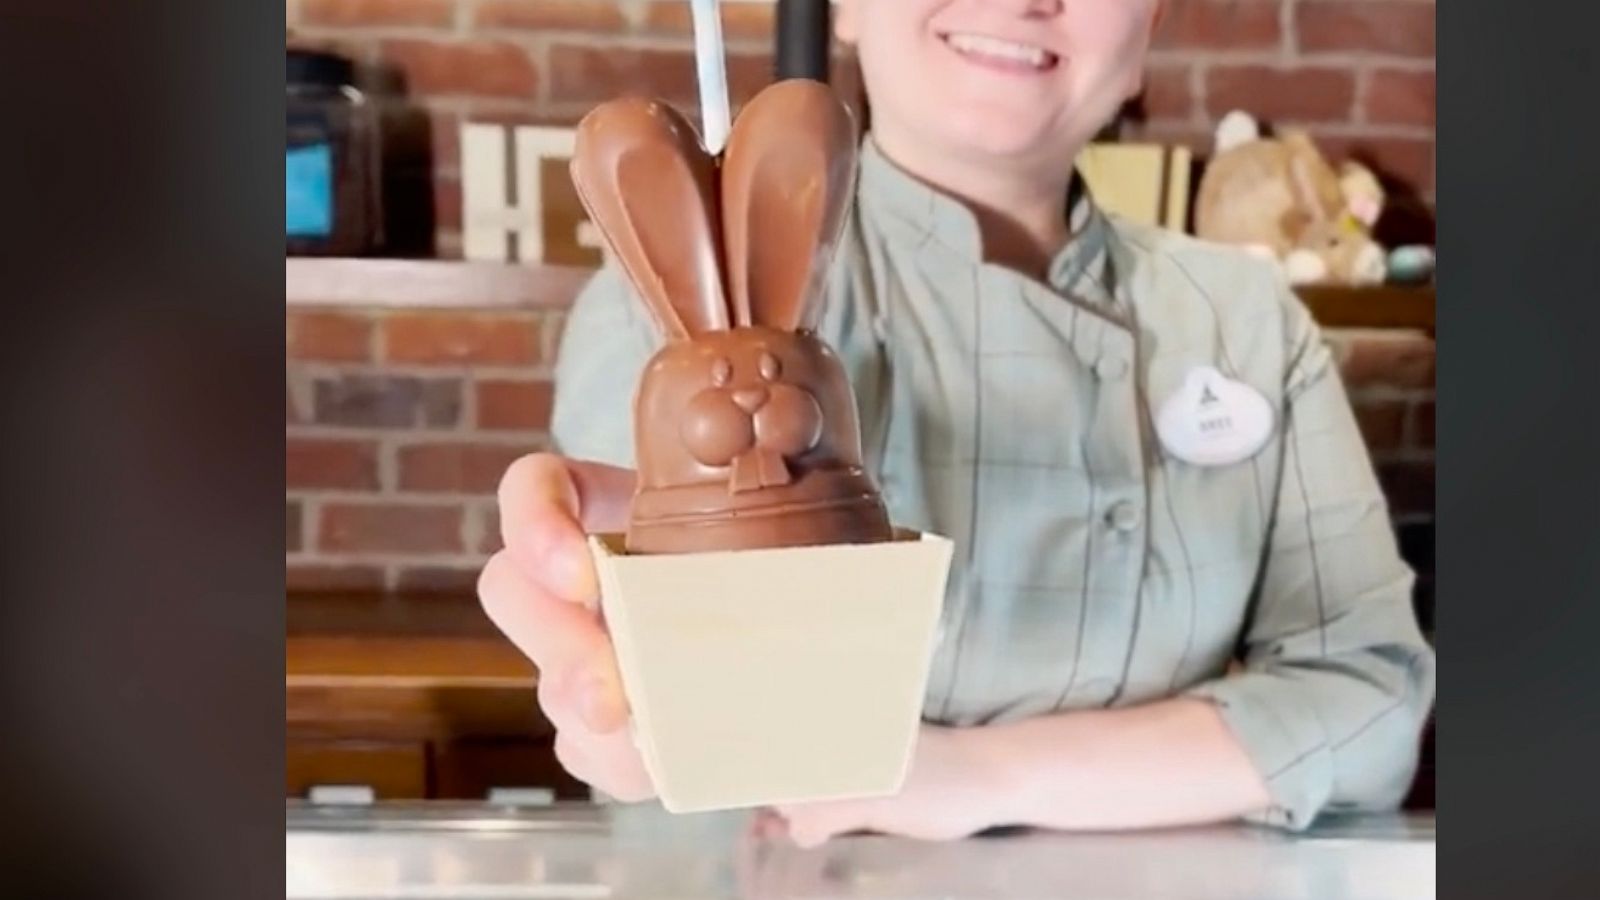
column 1212, row 420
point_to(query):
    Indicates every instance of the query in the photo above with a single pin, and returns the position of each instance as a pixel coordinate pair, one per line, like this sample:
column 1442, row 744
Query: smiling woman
column 1027, row 81
column 1139, row 631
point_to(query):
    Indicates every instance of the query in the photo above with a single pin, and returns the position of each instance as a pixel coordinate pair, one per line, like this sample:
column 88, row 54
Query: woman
column 1020, row 360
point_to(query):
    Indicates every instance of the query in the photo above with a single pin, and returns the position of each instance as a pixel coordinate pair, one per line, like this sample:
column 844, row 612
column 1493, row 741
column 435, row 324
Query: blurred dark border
column 142, row 579
column 1519, row 490
column 141, row 566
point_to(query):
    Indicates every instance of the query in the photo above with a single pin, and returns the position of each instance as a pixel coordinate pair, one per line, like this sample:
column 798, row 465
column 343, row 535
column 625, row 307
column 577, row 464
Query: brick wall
column 400, row 424
column 1358, row 73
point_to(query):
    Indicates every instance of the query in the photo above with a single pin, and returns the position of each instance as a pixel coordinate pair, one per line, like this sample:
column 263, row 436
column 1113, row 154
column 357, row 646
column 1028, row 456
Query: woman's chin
column 998, row 138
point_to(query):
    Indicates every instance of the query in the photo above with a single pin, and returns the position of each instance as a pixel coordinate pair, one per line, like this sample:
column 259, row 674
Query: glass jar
column 332, row 177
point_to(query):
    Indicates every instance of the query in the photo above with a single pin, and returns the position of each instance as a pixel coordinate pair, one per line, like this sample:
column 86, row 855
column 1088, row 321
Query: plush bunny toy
column 1281, row 198
column 745, row 426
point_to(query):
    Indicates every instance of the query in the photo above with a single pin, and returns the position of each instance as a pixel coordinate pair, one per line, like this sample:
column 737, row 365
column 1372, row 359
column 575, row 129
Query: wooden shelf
column 416, row 696
column 428, row 284
column 449, row 284
column 396, row 641
column 1387, row 306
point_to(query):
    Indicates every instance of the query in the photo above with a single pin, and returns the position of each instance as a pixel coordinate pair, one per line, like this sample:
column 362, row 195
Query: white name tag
column 1212, row 420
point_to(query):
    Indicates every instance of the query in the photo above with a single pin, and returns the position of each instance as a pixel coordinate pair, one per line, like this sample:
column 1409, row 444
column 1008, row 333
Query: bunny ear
column 650, row 188
column 787, row 180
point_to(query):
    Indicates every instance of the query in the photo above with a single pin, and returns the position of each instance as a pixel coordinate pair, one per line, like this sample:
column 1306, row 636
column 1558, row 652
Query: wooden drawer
column 394, row 771
column 467, row 770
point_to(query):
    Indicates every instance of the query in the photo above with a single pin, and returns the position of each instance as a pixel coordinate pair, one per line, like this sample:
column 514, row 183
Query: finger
column 539, row 524
column 813, row 824
column 610, row 763
column 577, row 664
column 547, row 503
column 768, row 824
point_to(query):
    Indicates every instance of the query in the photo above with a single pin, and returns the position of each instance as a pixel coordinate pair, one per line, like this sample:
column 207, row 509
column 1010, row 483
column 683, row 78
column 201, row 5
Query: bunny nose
column 750, row 399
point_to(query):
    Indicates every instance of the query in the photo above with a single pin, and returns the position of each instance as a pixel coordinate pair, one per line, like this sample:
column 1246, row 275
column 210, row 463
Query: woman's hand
column 543, row 592
column 951, row 792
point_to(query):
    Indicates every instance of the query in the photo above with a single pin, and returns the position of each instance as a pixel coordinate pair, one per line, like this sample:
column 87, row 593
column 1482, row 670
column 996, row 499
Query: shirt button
column 1111, row 368
column 1124, row 516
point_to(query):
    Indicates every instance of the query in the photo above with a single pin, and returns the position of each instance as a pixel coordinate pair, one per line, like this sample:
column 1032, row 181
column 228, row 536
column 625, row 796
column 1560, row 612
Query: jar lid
column 315, row 67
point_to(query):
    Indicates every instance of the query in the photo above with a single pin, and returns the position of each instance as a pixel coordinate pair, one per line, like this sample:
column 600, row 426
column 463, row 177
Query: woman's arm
column 1337, row 680
column 1326, row 712
column 1172, row 762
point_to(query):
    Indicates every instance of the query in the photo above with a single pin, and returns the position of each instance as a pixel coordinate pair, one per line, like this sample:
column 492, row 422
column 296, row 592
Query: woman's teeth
column 995, row 48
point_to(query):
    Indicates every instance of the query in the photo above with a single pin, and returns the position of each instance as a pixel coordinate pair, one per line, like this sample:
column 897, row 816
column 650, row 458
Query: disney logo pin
column 1213, row 420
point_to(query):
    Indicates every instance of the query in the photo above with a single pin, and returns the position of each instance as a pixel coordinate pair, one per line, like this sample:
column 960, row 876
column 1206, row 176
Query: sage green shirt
column 1092, row 568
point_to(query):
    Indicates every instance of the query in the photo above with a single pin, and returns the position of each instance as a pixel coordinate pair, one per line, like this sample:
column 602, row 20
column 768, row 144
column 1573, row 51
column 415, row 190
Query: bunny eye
column 769, row 367
column 721, row 372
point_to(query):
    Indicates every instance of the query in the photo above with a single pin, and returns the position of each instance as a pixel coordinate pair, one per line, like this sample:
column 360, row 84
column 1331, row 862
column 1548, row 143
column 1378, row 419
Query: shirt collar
column 910, row 210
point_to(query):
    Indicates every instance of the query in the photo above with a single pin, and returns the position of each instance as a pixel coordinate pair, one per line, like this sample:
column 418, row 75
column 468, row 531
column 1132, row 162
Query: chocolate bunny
column 745, row 427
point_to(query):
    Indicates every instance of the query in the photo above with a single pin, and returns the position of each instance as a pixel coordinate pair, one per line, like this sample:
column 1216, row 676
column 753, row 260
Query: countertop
column 587, row 851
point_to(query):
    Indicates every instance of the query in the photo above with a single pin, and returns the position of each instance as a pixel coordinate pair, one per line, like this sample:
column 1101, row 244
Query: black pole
column 804, row 39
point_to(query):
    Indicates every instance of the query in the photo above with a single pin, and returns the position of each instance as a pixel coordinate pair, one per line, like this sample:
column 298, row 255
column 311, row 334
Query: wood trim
column 448, row 284
column 1375, row 307
column 399, row 641
column 352, row 661
column 429, row 284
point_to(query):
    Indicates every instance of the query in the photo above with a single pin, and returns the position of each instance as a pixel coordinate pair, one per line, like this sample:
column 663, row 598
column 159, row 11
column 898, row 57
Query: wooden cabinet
column 414, row 697
column 421, row 698
column 394, row 771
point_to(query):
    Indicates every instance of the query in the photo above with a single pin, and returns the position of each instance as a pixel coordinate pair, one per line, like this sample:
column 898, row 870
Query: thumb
column 544, row 502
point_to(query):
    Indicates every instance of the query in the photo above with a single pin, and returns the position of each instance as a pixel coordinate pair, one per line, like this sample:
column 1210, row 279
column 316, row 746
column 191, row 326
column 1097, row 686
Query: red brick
column 294, row 527
column 438, row 580
column 447, row 202
column 478, row 68
column 438, row 338
column 1365, row 26
column 489, row 530
column 1397, row 360
column 1382, row 424
column 329, row 336
column 1219, row 25
column 457, row 468
column 1168, row 93
column 514, row 405
column 1408, row 161
column 1274, row 94
column 446, row 140
column 1401, row 98
column 377, row 12
column 330, row 463
column 740, row 21
column 389, row 528
column 319, row 577
column 747, row 76
column 550, row 15
column 1422, row 425
column 292, row 412
column 591, row 73
column 389, row 401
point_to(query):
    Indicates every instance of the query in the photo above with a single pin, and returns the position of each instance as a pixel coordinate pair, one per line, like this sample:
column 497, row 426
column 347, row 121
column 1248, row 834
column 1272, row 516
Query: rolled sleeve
column 604, row 347
column 1338, row 677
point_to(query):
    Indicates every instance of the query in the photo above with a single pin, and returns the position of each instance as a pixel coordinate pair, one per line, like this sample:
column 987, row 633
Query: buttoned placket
column 1115, row 456
column 1091, row 670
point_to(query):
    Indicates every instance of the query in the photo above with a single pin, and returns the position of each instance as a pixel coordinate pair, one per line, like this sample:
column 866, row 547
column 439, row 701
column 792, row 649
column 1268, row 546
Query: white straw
column 710, row 62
